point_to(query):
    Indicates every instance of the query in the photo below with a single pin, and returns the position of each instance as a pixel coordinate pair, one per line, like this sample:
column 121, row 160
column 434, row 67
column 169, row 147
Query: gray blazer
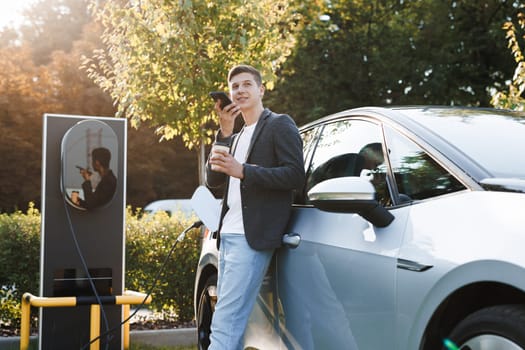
column 273, row 169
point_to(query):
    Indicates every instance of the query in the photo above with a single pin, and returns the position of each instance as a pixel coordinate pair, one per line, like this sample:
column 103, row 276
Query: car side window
column 417, row 175
column 350, row 148
column 309, row 137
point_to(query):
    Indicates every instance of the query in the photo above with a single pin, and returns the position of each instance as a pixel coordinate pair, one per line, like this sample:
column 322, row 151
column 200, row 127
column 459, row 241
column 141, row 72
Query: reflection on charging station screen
column 89, row 164
column 75, row 282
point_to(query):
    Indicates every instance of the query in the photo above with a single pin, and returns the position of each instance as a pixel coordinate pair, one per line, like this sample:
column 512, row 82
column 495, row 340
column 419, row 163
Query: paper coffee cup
column 219, row 147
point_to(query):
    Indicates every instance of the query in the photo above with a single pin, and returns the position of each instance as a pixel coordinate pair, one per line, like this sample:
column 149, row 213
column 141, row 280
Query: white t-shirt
column 232, row 222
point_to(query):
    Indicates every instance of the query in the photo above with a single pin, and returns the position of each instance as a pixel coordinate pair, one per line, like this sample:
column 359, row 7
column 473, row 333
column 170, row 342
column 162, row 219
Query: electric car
column 421, row 248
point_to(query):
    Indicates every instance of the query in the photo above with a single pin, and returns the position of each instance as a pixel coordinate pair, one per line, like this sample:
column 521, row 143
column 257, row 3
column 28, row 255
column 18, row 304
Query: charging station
column 83, row 232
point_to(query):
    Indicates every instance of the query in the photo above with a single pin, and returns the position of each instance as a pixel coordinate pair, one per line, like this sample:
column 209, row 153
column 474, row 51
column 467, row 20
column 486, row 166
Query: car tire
column 205, row 309
column 499, row 327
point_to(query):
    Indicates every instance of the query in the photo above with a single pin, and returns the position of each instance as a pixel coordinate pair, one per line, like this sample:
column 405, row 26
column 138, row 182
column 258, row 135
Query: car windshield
column 494, row 139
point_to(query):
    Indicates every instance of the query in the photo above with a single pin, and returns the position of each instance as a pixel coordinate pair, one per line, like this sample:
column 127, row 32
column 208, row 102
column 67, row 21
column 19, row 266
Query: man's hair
column 244, row 68
column 103, row 155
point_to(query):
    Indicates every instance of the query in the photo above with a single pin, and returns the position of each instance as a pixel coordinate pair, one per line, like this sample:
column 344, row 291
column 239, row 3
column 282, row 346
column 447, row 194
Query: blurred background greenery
column 150, row 238
column 67, row 57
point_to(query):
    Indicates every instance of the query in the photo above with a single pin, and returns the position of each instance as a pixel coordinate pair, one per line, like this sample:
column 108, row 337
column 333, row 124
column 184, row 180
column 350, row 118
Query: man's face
column 96, row 165
column 244, row 91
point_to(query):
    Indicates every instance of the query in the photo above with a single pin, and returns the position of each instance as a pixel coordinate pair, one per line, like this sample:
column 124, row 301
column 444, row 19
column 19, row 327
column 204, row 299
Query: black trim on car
column 412, row 265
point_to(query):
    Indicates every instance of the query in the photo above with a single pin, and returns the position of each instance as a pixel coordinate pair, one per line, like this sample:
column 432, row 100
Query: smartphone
column 80, row 168
column 221, row 96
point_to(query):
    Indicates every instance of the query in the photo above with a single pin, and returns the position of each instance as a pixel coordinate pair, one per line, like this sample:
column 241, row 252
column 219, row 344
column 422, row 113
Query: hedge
column 149, row 238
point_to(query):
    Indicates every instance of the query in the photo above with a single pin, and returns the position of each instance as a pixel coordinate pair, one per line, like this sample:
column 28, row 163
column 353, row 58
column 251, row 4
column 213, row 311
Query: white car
column 171, row 206
column 420, row 246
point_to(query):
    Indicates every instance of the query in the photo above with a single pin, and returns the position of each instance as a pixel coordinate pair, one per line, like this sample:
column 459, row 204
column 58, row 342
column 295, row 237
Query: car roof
column 170, row 205
column 420, row 123
column 400, row 113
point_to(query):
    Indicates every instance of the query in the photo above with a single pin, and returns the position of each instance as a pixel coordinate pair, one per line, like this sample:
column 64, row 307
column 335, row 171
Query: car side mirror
column 350, row 195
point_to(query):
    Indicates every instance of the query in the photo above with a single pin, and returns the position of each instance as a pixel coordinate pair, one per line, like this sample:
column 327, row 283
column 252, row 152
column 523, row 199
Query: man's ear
column 262, row 89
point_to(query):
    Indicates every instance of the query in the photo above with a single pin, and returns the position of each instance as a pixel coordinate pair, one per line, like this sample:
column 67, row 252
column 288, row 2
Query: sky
column 11, row 11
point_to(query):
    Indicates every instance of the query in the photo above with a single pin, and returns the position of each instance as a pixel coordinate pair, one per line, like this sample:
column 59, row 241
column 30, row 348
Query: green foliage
column 20, row 251
column 10, row 311
column 19, row 258
column 357, row 53
column 163, row 57
column 513, row 98
column 149, row 239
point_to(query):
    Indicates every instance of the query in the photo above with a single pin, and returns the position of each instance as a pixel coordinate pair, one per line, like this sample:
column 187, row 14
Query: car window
column 309, row 137
column 350, row 148
column 417, row 175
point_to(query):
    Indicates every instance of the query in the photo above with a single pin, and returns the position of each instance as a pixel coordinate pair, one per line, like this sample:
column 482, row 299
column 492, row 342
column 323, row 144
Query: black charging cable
column 88, row 275
column 180, row 238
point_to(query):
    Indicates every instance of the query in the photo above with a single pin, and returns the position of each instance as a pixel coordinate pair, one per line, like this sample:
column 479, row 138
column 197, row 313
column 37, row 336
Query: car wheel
column 205, row 309
column 499, row 327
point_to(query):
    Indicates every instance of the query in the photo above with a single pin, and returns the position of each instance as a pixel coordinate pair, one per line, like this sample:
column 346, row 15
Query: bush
column 148, row 242
column 19, row 258
column 149, row 239
column 10, row 312
column 20, row 250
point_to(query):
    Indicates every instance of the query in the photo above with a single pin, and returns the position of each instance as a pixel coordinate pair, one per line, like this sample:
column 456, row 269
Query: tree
column 27, row 92
column 513, row 98
column 460, row 54
column 59, row 86
column 29, row 89
column 162, row 58
column 53, row 25
column 362, row 52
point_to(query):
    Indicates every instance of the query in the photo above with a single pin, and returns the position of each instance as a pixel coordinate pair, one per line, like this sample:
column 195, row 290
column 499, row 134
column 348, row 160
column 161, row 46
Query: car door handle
column 291, row 240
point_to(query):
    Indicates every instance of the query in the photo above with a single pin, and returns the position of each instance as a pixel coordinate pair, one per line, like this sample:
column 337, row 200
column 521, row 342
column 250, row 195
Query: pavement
column 161, row 337
column 164, row 337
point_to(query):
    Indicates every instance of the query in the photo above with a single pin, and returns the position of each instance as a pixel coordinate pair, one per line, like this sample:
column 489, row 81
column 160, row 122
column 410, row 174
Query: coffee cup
column 218, row 146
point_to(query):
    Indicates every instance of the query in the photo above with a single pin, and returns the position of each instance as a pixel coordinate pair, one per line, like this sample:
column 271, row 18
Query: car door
column 336, row 283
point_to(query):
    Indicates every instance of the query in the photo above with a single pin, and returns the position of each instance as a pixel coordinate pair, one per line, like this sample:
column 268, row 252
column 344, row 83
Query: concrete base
column 165, row 337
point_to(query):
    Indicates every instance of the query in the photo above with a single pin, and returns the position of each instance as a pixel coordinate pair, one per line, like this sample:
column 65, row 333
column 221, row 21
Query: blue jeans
column 241, row 272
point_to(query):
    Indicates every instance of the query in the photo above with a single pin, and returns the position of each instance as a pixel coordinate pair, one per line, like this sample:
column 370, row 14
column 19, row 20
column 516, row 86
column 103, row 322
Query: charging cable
column 180, row 238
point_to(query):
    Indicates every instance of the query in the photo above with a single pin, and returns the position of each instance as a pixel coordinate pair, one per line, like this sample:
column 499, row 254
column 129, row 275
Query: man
column 105, row 189
column 263, row 167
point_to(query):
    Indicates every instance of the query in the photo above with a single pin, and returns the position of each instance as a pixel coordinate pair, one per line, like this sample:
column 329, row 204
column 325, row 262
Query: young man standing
column 263, row 167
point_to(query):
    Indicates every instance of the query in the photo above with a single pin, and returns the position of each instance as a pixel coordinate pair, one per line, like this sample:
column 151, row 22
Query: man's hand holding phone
column 222, row 97
column 227, row 111
column 86, row 174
